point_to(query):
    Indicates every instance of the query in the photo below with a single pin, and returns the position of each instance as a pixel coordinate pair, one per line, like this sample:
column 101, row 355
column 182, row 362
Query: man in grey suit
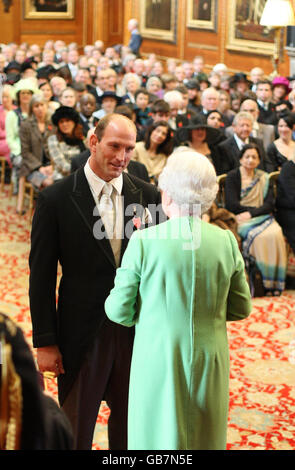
column 265, row 132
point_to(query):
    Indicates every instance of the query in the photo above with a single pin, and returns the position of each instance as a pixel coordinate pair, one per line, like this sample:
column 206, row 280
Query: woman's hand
column 243, row 217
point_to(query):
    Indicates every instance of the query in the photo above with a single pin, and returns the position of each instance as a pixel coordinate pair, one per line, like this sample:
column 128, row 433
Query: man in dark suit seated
column 230, row 148
column 267, row 113
column 85, row 222
column 87, row 107
column 265, row 132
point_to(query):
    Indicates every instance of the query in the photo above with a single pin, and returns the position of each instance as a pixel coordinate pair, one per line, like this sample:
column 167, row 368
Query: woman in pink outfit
column 7, row 105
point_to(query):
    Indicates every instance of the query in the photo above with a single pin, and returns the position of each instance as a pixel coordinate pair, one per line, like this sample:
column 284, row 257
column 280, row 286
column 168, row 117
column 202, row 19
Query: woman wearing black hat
column 67, row 142
column 203, row 138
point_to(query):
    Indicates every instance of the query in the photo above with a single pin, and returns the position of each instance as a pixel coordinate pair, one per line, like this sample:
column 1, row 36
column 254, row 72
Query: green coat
column 179, row 300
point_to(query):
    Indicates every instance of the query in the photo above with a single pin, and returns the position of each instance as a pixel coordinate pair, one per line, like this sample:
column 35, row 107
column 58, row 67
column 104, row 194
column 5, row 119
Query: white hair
column 128, row 75
column 189, row 178
column 243, row 115
column 153, row 79
column 173, row 96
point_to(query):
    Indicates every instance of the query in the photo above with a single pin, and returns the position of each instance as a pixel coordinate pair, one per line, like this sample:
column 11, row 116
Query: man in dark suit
column 265, row 132
column 74, row 339
column 135, row 38
column 267, row 113
column 230, row 148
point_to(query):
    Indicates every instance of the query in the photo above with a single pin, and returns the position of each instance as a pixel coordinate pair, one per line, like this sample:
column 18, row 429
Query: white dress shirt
column 96, row 184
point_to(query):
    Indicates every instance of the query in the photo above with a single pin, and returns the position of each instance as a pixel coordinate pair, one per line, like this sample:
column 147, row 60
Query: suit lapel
column 133, row 206
column 84, row 203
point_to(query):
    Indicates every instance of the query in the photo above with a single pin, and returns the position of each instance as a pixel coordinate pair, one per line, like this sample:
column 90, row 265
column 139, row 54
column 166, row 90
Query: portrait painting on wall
column 158, row 19
column 245, row 33
column 202, row 14
column 48, row 9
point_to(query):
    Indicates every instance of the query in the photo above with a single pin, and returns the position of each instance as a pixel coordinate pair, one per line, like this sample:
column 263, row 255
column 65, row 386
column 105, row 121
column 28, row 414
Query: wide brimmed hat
column 192, row 84
column 282, row 81
column 199, row 122
column 110, row 94
column 65, row 112
column 27, row 84
column 239, row 77
column 13, row 65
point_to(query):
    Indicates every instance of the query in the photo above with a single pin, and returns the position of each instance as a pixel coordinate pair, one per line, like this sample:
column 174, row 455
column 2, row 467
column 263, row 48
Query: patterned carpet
column 262, row 350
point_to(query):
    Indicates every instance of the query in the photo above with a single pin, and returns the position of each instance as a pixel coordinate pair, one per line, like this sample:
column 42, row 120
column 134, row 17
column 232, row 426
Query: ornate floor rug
column 262, row 350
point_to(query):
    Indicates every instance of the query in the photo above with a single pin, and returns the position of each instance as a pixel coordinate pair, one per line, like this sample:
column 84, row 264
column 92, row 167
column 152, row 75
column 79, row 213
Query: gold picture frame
column 245, row 34
column 202, row 14
column 49, row 9
column 158, row 19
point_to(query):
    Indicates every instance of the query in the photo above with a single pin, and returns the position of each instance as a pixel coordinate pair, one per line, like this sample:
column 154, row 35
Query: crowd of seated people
column 54, row 96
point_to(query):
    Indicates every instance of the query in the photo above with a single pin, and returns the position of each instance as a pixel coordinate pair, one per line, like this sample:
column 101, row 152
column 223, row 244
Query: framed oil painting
column 158, row 19
column 202, row 14
column 48, row 9
column 244, row 31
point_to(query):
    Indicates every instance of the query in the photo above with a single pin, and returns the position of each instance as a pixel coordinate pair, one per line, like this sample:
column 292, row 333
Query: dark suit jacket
column 135, row 42
column 63, row 231
column 229, row 155
column 267, row 116
column 134, row 168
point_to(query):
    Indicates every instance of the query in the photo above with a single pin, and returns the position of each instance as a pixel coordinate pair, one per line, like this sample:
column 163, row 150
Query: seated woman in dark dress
column 282, row 149
column 249, row 195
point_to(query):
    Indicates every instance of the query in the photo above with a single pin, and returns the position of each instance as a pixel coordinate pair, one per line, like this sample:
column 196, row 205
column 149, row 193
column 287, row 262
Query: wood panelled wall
column 107, row 20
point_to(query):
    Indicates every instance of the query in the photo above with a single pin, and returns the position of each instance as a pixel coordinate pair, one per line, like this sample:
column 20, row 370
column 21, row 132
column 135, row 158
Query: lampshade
column 278, row 13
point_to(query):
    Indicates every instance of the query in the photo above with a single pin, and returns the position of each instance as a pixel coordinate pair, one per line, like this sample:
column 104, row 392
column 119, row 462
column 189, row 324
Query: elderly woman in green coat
column 179, row 283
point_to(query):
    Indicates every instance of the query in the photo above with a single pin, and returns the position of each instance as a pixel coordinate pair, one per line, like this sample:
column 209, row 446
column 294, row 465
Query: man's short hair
column 160, row 106
column 264, row 82
column 105, row 121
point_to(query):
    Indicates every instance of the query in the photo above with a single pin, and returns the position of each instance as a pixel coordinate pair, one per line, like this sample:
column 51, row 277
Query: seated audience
column 67, row 142
column 280, row 89
column 35, row 131
column 69, row 97
column 265, row 132
column 256, row 75
column 142, row 108
column 194, row 95
column 107, row 102
column 6, row 106
column 154, row 151
column 249, row 195
column 230, row 148
column 202, row 138
column 239, row 83
column 267, row 113
column 224, row 107
column 283, row 148
column 46, row 89
column 154, row 86
column 24, row 90
column 131, row 83
column 87, row 106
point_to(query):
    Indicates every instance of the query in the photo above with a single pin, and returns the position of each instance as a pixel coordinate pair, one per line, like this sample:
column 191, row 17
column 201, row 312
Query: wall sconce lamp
column 277, row 14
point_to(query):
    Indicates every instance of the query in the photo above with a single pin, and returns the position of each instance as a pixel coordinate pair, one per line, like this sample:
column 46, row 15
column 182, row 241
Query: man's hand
column 49, row 359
